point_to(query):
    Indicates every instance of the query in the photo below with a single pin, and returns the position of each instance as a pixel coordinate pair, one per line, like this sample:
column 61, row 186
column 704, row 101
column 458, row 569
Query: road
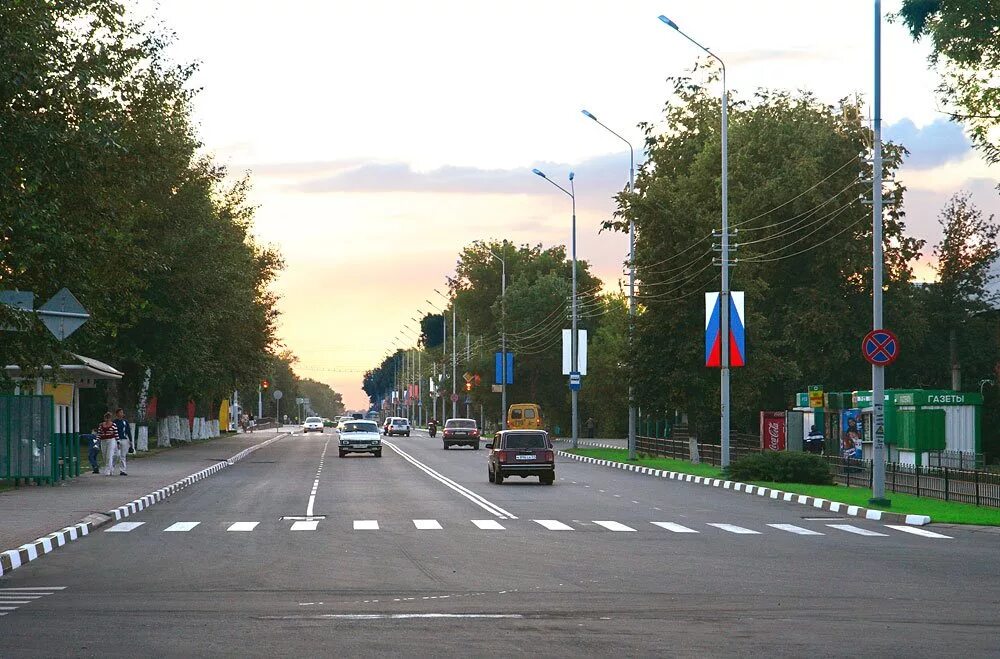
column 417, row 554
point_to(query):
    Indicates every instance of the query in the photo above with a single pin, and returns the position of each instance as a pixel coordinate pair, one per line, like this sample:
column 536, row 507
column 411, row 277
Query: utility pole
column 878, row 372
column 454, row 365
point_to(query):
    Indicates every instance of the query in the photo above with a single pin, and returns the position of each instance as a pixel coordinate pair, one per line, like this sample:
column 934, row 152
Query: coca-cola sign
column 772, row 431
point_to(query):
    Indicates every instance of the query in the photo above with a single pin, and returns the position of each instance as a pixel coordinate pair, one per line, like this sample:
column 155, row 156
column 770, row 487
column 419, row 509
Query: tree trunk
column 956, row 368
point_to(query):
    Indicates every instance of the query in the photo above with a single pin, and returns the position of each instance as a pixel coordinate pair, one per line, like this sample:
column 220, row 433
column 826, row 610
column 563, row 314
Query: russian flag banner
column 713, row 330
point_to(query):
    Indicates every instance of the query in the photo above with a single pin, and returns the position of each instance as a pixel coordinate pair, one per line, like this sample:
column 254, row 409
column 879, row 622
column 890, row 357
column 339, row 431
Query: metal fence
column 29, row 449
column 975, row 486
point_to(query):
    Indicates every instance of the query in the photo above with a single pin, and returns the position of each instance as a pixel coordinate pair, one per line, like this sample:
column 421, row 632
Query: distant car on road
column 360, row 436
column 460, row 432
column 313, row 424
column 397, row 426
column 327, row 423
column 521, row 453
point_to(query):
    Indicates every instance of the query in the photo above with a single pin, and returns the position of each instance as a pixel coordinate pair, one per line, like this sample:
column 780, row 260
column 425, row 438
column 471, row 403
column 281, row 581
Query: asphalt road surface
column 296, row 552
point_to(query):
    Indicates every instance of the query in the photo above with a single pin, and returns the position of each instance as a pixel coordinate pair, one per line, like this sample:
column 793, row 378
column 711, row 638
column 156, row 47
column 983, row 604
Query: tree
column 965, row 259
column 965, row 39
column 803, row 238
column 322, row 398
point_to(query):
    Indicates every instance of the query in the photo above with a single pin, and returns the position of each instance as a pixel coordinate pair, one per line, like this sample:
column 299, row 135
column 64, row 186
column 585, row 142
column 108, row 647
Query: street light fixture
column 574, row 338
column 724, row 295
column 503, row 338
column 631, row 281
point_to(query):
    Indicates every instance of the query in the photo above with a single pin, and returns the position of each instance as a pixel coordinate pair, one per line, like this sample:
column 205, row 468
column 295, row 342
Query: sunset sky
column 377, row 127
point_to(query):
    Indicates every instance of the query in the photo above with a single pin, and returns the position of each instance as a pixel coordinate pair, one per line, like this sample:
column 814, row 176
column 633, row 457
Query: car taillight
column 501, row 456
column 475, row 433
column 549, row 456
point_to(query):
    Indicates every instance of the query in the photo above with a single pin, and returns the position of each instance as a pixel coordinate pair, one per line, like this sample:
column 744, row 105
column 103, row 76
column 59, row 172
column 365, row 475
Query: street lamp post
column 574, row 338
column 503, row 339
column 724, row 294
column 631, row 282
column 444, row 348
column 420, row 375
column 454, row 360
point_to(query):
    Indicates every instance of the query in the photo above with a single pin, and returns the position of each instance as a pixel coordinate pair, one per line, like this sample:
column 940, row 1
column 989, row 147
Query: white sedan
column 360, row 436
column 313, row 424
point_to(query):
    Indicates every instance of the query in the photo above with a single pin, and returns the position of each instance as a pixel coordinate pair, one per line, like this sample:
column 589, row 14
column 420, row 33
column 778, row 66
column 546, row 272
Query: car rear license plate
column 460, row 434
column 524, row 457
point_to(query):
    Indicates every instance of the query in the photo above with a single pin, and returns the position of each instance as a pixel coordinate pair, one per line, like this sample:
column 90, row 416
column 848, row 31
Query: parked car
column 460, row 432
column 526, row 416
column 360, row 436
column 312, row 424
column 521, row 453
column 398, row 426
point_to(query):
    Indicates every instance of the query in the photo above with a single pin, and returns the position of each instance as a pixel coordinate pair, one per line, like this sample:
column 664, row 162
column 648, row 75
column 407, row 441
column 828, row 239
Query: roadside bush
column 781, row 467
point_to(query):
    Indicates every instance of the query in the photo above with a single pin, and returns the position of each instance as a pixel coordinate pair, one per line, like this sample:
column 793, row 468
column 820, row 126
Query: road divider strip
column 764, row 492
column 15, row 558
column 483, row 503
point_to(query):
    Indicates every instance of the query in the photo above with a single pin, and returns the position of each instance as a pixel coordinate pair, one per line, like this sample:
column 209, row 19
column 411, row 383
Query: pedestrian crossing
column 672, row 528
column 11, row 599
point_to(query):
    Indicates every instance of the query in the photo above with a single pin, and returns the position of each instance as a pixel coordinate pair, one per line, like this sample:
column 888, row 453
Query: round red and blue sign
column 880, row 347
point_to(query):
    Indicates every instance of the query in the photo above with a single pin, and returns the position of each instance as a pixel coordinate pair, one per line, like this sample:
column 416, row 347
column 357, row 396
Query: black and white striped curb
column 766, row 492
column 15, row 558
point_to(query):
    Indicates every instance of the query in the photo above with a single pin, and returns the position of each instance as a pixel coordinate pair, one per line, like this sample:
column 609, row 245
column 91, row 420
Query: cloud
column 604, row 173
column 935, row 144
column 758, row 55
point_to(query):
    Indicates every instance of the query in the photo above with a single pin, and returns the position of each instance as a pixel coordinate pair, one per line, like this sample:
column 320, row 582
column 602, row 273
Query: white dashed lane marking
column 243, row 526
column 427, row 524
column 791, row 528
column 915, row 530
column 305, row 525
column 124, row 527
column 613, row 526
column 732, row 528
column 857, row 530
column 553, row 525
column 676, row 528
column 181, row 526
column 488, row 524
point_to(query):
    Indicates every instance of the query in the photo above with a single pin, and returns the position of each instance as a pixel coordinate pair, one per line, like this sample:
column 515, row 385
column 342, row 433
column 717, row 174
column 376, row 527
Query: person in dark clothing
column 124, row 428
column 93, row 450
column 591, row 425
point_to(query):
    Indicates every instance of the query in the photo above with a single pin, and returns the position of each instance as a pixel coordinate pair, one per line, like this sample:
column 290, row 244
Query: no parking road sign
column 880, row 347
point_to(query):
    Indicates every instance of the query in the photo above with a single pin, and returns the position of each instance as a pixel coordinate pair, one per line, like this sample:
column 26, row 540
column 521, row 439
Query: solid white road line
column 315, row 487
column 483, row 503
column 613, row 526
column 366, row 525
column 488, row 524
column 182, row 526
column 915, row 530
column 856, row 530
column 42, row 589
column 791, row 528
column 739, row 530
column 5, row 601
column 427, row 524
column 553, row 524
column 243, row 526
column 676, row 528
column 305, row 525
column 124, row 527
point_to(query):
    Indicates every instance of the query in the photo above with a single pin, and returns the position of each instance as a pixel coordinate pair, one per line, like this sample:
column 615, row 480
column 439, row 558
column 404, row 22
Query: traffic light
column 468, row 386
column 265, row 384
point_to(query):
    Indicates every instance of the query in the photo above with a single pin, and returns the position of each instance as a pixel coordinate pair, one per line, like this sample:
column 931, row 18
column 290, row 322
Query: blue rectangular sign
column 497, row 368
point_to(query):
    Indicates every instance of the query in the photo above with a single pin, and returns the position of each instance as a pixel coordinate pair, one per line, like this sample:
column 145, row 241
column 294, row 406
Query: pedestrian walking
column 252, row 422
column 591, row 425
column 124, row 439
column 107, row 433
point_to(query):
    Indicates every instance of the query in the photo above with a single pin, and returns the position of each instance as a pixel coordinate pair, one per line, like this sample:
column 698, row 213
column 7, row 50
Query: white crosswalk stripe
column 305, row 525
column 791, row 528
column 180, row 527
column 488, row 524
column 916, row 530
column 732, row 528
column 427, row 524
column 124, row 527
column 676, row 528
column 857, row 530
column 553, row 525
column 243, row 526
column 613, row 526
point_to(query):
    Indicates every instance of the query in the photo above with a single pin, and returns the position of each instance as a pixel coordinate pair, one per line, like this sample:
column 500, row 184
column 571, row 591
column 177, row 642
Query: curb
column 15, row 558
column 766, row 492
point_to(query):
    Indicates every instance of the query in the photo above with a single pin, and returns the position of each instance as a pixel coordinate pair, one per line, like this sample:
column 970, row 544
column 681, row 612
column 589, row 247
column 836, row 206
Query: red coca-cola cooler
column 773, row 431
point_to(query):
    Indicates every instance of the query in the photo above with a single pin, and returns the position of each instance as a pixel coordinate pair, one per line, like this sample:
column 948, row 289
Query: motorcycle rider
column 432, row 427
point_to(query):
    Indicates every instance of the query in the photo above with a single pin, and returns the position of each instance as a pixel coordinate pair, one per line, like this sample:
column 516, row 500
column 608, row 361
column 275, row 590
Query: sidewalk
column 28, row 513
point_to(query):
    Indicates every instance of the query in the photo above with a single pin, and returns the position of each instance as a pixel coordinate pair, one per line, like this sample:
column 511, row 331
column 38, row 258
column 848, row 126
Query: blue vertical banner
column 713, row 330
column 498, row 368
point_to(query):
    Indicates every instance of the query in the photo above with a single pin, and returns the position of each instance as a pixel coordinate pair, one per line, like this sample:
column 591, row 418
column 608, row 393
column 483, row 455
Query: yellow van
column 524, row 416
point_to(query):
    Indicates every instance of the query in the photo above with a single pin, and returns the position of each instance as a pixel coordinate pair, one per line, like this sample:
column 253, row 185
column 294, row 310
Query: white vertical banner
column 567, row 351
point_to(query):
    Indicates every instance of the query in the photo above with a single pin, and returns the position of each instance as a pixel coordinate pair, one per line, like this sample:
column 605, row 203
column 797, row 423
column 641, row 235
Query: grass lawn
column 937, row 509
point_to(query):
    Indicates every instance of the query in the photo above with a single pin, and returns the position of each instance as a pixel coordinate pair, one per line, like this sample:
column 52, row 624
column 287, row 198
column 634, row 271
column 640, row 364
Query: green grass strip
column 939, row 510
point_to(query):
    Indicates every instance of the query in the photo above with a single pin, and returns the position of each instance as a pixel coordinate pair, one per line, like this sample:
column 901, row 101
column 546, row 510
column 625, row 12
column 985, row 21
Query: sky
column 384, row 135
